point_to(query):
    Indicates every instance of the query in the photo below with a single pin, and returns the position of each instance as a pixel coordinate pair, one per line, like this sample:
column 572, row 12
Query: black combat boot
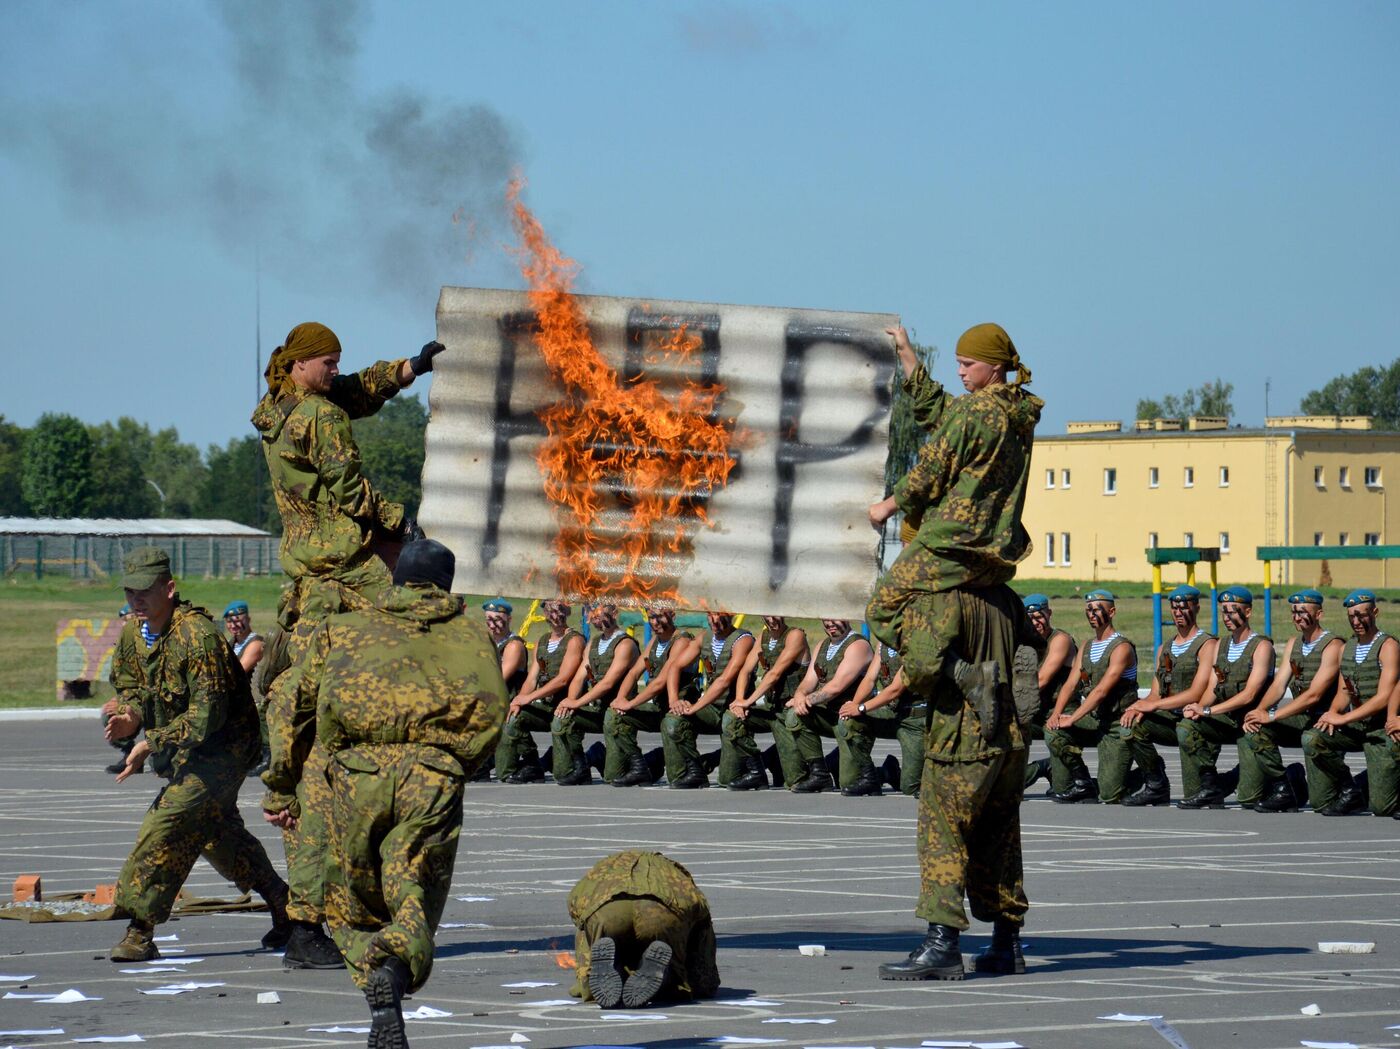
column 604, row 976
column 1081, row 791
column 597, row 757
column 1228, row 781
column 818, row 779
column 709, row 762
column 753, row 776
column 867, row 785
column 693, row 778
column 384, row 990
column 1278, row 798
column 638, row 774
column 891, row 772
column 1349, row 802
column 1037, row 770
column 578, row 776
column 275, row 896
column 937, row 958
column 642, row 985
column 531, row 772
column 1210, row 796
column 1154, row 791
column 1003, row 956
column 308, row 947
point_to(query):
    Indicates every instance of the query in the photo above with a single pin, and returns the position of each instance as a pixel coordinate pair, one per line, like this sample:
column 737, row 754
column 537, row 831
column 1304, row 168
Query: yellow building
column 1098, row 496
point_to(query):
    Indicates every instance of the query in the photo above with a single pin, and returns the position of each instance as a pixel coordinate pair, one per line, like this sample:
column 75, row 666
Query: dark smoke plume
column 329, row 185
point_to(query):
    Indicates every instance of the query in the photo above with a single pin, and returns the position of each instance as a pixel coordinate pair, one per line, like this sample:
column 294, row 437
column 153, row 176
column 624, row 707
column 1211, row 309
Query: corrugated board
column 810, row 393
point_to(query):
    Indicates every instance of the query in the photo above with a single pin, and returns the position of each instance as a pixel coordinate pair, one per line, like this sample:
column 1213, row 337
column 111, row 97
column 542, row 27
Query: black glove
column 411, row 532
column 424, row 361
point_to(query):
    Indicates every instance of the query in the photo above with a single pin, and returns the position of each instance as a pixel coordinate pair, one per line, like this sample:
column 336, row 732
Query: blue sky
column 1146, row 196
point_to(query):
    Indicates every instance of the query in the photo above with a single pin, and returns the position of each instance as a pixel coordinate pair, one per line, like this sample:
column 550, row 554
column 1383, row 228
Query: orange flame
column 565, row 960
column 628, row 468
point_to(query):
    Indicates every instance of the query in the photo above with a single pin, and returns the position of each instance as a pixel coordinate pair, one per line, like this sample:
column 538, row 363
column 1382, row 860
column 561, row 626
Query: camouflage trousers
column 1059, row 775
column 1153, row 730
column 1325, row 757
column 1113, row 742
column 195, row 814
column 517, row 744
column 855, row 741
column 970, row 840
column 738, row 739
column 395, row 817
column 680, row 740
column 620, row 728
column 566, row 736
column 1260, row 756
column 1200, row 742
column 632, row 924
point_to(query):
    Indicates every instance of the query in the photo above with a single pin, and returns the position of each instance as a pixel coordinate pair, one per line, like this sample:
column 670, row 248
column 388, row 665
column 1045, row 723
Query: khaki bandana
column 990, row 344
column 304, row 342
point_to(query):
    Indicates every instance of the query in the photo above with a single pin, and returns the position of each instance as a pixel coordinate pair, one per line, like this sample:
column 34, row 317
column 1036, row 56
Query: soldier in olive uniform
column 1088, row 709
column 409, row 701
column 946, row 594
column 1313, row 661
column 838, row 666
column 643, row 928
column 641, row 709
column 556, row 661
column 181, row 682
column 779, row 659
column 1370, row 674
column 1184, row 674
column 1244, row 667
column 609, row 655
column 883, row 708
column 1055, row 659
column 335, row 529
column 512, row 654
column 1392, row 731
column 723, row 652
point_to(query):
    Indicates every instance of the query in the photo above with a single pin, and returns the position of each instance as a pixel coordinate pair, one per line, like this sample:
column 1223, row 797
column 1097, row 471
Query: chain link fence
column 99, row 556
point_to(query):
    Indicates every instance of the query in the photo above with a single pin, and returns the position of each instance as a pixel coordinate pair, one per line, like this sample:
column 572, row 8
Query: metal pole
column 1268, row 598
column 1156, row 607
column 1214, row 608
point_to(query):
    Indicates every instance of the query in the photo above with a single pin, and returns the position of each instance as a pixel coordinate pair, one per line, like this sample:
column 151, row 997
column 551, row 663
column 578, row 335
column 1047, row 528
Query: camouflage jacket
column 193, row 695
column 412, row 669
column 633, row 873
column 330, row 513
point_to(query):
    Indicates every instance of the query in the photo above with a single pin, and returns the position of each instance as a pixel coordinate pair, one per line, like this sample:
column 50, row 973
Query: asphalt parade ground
column 1210, row 920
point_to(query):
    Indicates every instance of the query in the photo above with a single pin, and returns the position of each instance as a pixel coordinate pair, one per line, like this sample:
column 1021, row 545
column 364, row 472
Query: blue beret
column 497, row 604
column 1184, row 593
column 1240, row 595
column 1100, row 595
column 1307, row 596
column 236, row 608
column 1359, row 597
column 126, row 610
column 1035, row 602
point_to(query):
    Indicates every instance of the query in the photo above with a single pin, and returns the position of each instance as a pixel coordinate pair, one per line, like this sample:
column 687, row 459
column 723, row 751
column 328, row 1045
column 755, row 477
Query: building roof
column 137, row 526
column 1208, row 435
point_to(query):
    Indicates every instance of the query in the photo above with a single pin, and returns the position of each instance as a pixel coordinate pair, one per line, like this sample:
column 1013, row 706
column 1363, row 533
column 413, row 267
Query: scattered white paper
column 517, row 1038
column 734, row 1039
column 1311, row 1010
column 531, row 983
column 553, row 1002
column 756, row 1001
column 112, row 1038
column 174, row 950
column 474, row 899
column 1330, row 1045
column 178, row 961
column 811, row 950
column 152, row 969
column 27, row 994
column 945, row 1044
column 426, row 1012
column 166, row 991
column 463, row 925
column 1128, row 1018
column 269, row 998
column 31, row 1034
column 16, row 979
column 787, row 1021
column 634, row 1016
column 1346, row 947
column 172, row 938
column 181, row 988
column 340, row 1030
column 68, row 997
column 997, row 1045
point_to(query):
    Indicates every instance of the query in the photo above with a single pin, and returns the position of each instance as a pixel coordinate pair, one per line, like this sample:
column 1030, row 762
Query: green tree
column 391, row 449
column 1367, row 391
column 12, row 502
column 1211, row 398
column 56, row 479
column 180, row 471
column 120, row 452
column 236, row 487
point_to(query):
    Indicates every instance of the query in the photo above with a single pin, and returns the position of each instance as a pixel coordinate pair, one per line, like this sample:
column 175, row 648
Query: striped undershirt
column 1308, row 646
column 1179, row 647
column 1362, row 651
column 1236, row 648
column 1096, row 651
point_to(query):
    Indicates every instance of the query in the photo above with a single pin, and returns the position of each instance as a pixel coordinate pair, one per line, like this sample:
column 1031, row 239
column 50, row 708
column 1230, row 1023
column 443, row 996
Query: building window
column 1224, row 477
column 1318, row 538
column 1064, row 478
column 1049, row 478
column 1064, row 548
column 1152, row 477
column 1373, row 539
column 1110, row 481
column 1189, row 478
column 1373, row 477
column 1344, row 476
column 1343, row 538
column 1224, row 542
column 1049, row 548
column 1188, row 538
column 1152, row 540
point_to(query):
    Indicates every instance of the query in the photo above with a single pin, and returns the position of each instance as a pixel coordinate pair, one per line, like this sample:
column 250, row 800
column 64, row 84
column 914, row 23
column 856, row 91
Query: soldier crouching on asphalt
column 643, row 928
column 409, row 703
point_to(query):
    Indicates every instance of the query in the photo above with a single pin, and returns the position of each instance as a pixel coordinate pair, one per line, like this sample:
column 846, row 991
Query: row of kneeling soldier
column 725, row 683
column 1332, row 694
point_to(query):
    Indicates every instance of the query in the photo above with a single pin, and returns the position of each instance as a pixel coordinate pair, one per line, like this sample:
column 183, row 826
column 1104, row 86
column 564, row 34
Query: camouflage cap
column 144, row 566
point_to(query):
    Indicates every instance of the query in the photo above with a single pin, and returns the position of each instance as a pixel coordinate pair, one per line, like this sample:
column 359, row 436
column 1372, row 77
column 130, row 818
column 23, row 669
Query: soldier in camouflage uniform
column 409, row 701
column 610, row 654
column 643, row 928
column 110, row 707
column 946, row 595
column 1183, row 675
column 1312, row 661
column 837, row 669
column 335, row 527
column 723, row 653
column 179, row 680
column 1055, row 662
column 782, row 655
column 1244, row 667
column 671, row 677
column 882, row 708
column 1370, row 675
column 557, row 659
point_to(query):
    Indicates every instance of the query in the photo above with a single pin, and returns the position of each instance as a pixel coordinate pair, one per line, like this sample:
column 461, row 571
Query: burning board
column 714, row 456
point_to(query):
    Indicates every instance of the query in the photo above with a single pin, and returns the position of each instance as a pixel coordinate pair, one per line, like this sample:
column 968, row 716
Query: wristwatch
column 1273, row 714
column 860, row 708
column 1205, row 711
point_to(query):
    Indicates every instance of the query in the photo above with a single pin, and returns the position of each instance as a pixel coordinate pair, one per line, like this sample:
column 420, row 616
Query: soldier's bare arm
column 685, row 653
column 1067, row 690
column 804, row 691
column 1260, row 667
column 745, row 691
column 627, row 697
column 1274, row 693
column 1118, row 664
column 725, row 681
column 568, row 670
column 623, row 659
column 1366, row 706
column 1147, row 703
column 1056, row 654
column 863, row 690
column 1323, row 685
column 512, row 658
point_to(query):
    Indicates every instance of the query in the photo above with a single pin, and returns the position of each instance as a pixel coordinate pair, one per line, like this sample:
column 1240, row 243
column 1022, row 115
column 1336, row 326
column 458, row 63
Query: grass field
column 30, row 610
